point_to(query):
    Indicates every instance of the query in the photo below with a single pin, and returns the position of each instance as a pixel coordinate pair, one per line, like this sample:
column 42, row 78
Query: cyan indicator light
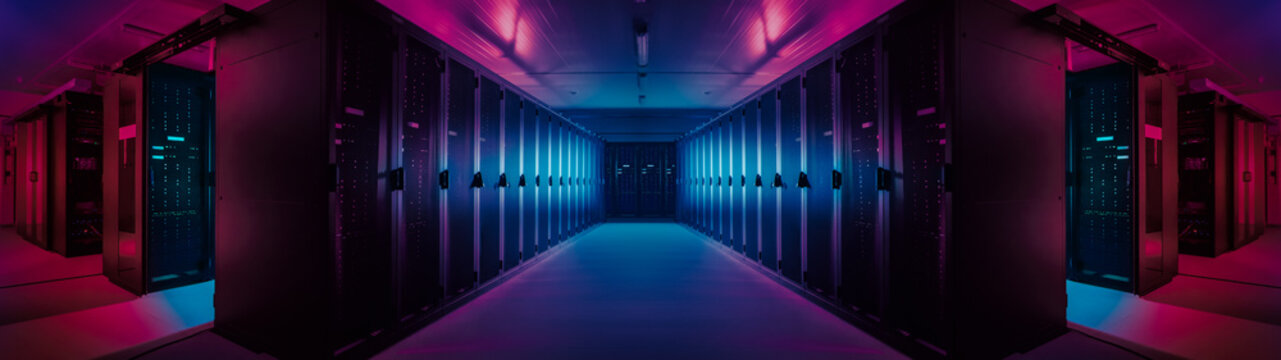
column 176, row 138
column 1103, row 138
column 158, row 157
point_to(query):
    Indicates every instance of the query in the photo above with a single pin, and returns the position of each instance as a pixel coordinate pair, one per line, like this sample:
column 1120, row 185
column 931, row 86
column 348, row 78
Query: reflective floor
column 642, row 291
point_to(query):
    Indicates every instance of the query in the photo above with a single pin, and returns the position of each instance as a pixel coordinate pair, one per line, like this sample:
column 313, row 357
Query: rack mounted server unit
column 1123, row 231
column 58, row 202
column 157, row 231
column 376, row 175
column 913, row 173
column 1221, row 154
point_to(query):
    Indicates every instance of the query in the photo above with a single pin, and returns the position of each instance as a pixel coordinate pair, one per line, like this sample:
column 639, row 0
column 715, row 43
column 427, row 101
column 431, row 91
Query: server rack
column 157, row 185
column 545, row 207
column 862, row 199
column 767, row 104
column 509, row 180
column 486, row 189
column 791, row 173
column 1122, row 230
column 751, row 182
column 59, row 160
column 718, row 190
column 529, row 182
column 554, row 138
column 1219, row 144
column 421, row 285
column 308, row 168
column 736, row 176
column 367, row 180
column 461, row 170
column 820, row 179
column 951, row 183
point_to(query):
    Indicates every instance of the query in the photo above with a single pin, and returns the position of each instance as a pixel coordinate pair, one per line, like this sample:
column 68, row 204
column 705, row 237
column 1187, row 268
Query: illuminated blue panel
column 1101, row 207
column 179, row 236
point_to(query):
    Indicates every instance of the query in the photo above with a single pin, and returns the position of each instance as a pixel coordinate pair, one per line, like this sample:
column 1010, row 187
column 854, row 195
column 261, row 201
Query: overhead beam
column 192, row 35
column 1071, row 25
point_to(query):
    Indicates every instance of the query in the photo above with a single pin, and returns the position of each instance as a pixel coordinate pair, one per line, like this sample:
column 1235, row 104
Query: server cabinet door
column 509, row 178
column 576, row 177
column 420, row 275
column 791, row 145
column 726, row 172
column 696, row 155
column 529, row 192
column 860, row 161
column 460, row 169
column 553, row 163
column 705, row 184
column 917, row 212
column 771, row 193
column 366, row 296
column 1101, row 234
column 751, row 192
column 820, row 140
column 178, row 233
column 716, row 154
column 736, row 179
column 489, row 157
column 81, row 184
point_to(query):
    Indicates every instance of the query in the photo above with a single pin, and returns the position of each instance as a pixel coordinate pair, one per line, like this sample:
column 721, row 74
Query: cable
column 49, row 281
column 1231, row 281
column 184, row 338
column 1118, row 346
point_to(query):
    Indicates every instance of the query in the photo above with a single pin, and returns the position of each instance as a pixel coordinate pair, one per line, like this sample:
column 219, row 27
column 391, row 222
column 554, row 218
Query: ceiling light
column 642, row 49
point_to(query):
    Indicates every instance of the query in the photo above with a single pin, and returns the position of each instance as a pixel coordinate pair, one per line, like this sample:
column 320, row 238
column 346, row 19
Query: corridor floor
column 640, row 291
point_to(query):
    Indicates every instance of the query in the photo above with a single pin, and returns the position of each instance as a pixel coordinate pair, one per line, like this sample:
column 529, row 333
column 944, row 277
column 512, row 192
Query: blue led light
column 1122, row 147
column 158, row 157
column 157, row 147
column 1122, row 157
column 1103, row 138
column 179, row 138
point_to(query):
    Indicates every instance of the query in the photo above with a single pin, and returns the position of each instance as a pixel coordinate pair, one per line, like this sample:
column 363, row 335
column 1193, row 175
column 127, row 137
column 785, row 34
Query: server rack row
column 376, row 175
column 643, row 180
column 1123, row 231
column 913, row 174
column 58, row 203
column 157, row 184
column 1221, row 162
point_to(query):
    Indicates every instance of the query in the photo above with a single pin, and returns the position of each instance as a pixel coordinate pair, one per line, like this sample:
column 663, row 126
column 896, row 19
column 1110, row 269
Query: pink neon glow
column 128, row 132
column 128, row 248
column 1152, row 132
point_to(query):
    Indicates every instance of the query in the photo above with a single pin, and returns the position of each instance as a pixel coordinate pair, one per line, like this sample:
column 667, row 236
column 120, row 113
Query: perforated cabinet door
column 460, row 164
column 820, row 137
column 918, row 231
column 510, row 175
column 420, row 277
column 770, row 194
column 486, row 187
column 529, row 194
column 751, row 192
column 364, row 286
column 861, row 153
column 791, row 145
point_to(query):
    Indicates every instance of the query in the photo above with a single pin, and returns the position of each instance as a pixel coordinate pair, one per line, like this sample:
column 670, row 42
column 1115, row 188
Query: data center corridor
column 641, row 291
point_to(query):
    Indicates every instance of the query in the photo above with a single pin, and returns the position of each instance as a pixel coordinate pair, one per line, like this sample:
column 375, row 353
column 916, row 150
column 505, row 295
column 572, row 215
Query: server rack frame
column 1151, row 257
column 1026, row 203
column 1229, row 174
column 138, row 241
column 59, row 206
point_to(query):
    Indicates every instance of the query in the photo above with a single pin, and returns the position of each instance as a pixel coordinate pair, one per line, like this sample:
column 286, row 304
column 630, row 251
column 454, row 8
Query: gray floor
column 634, row 291
column 640, row 291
